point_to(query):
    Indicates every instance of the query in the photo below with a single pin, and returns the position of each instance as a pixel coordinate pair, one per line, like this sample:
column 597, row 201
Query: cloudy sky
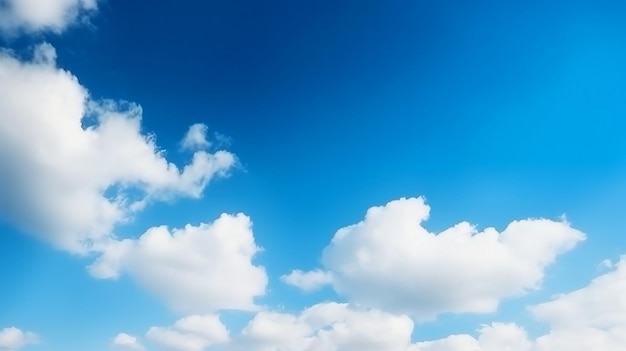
column 312, row 175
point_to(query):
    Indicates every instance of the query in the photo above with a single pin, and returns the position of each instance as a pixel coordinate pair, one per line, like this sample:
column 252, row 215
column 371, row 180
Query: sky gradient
column 312, row 175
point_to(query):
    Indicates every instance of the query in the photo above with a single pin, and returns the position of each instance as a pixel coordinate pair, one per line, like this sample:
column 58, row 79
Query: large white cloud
column 74, row 168
column 390, row 261
column 12, row 339
column 193, row 333
column 195, row 269
column 39, row 15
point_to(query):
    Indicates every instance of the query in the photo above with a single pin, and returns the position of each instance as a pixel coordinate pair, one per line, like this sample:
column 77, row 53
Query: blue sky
column 302, row 116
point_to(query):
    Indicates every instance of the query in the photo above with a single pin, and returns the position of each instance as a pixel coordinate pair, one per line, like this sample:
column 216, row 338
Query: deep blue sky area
column 492, row 110
column 510, row 106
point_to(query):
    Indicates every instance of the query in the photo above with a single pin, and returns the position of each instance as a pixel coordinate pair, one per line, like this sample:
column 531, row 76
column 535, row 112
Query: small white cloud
column 13, row 339
column 125, row 341
column 196, row 139
column 43, row 15
column 307, row 281
column 193, row 333
column 390, row 261
column 195, row 269
column 44, row 54
column 96, row 177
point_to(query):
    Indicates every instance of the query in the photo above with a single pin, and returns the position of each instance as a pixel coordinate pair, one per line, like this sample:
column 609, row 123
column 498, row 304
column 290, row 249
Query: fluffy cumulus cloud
column 193, row 333
column 40, row 15
column 195, row 269
column 326, row 326
column 390, row 261
column 591, row 318
column 12, row 339
column 333, row 326
column 74, row 168
column 127, row 342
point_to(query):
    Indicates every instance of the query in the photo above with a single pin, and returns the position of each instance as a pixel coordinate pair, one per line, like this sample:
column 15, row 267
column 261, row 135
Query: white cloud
column 12, row 339
column 307, row 281
column 494, row 337
column 332, row 326
column 600, row 304
column 591, row 318
column 125, row 341
column 196, row 269
column 40, row 15
column 193, row 333
column 74, row 168
column 326, row 326
column 195, row 138
column 503, row 337
column 462, row 342
column 390, row 261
